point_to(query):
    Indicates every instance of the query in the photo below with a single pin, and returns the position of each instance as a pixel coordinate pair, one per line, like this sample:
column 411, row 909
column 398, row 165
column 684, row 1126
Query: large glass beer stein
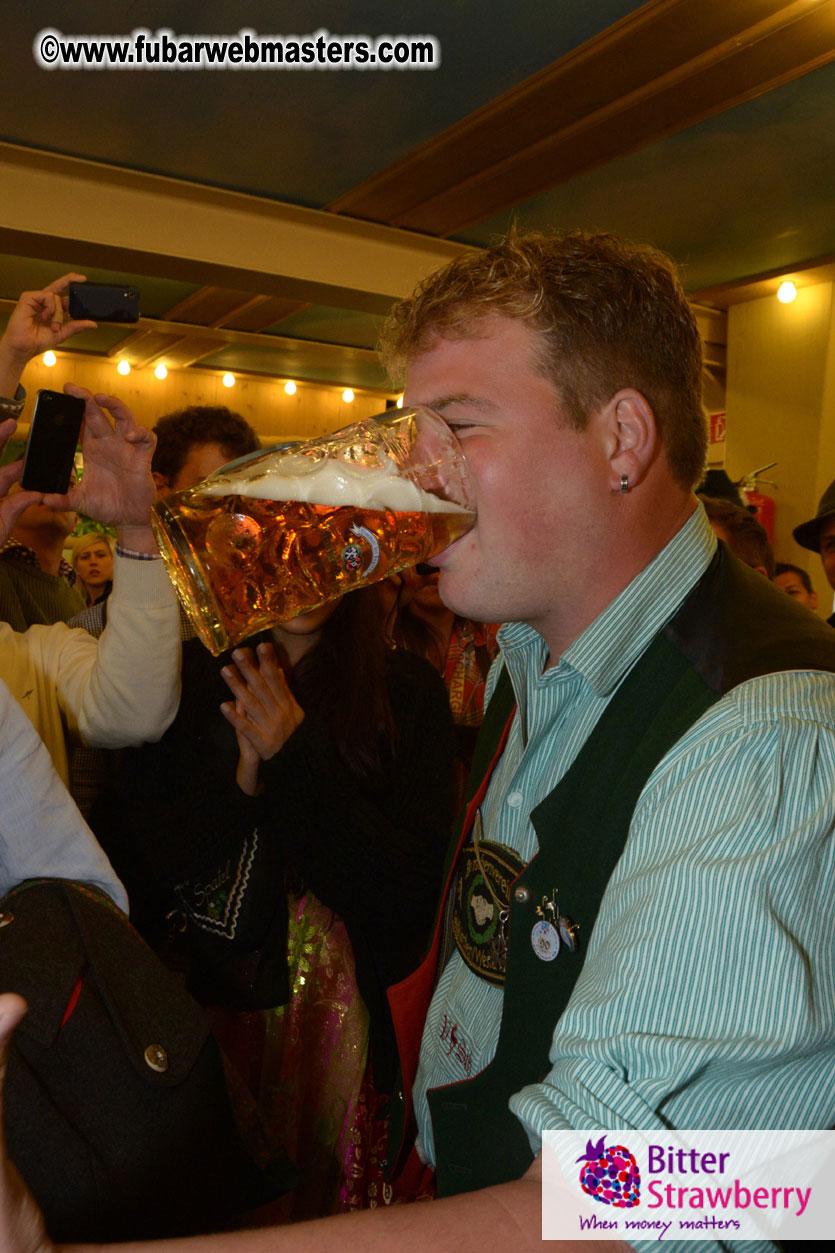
column 280, row 532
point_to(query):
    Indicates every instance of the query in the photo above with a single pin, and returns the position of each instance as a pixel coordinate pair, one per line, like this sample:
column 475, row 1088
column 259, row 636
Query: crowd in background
column 278, row 817
column 318, row 835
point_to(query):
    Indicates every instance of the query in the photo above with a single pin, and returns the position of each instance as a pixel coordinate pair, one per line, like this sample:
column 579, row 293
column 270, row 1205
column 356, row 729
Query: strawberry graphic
column 611, row 1175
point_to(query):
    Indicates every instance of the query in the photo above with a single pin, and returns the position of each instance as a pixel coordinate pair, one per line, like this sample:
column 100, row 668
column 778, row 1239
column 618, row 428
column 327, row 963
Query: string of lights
column 228, row 379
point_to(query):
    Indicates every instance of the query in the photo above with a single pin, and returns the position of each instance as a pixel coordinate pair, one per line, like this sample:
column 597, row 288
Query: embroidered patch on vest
column 456, row 1046
column 480, row 908
column 215, row 904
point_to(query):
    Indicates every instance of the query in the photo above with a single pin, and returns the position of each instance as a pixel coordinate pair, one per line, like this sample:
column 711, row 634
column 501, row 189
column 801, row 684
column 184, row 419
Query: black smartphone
column 104, row 302
column 53, row 439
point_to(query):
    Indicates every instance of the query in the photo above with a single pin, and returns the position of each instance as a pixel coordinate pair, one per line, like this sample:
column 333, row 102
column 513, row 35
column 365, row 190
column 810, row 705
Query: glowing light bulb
column 160, row 371
column 399, row 402
column 347, row 395
column 49, row 358
column 786, row 293
column 228, row 380
column 123, row 367
column 290, row 387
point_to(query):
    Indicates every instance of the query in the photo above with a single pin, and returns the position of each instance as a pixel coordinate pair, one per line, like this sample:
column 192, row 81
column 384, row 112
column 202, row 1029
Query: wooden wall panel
column 312, row 411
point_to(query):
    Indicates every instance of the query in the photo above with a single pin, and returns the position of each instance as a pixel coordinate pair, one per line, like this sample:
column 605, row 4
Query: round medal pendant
column 545, row 941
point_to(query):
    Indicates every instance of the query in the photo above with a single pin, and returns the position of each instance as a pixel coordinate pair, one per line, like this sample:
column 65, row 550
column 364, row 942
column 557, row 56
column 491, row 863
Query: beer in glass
column 282, row 531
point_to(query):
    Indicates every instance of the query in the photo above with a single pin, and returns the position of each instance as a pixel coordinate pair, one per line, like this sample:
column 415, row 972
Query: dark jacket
column 373, row 854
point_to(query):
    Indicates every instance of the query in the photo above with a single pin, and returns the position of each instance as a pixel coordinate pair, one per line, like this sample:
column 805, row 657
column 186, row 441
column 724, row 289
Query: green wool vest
column 733, row 626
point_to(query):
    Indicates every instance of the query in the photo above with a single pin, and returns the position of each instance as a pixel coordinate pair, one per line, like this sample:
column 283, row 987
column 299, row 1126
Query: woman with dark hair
column 298, row 854
column 460, row 650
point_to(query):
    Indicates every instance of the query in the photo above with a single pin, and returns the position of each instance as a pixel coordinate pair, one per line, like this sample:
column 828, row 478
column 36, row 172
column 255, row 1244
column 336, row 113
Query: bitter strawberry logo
column 611, row 1175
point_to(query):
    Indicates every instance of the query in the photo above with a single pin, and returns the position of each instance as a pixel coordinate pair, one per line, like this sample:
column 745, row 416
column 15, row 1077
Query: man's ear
column 634, row 436
column 160, row 480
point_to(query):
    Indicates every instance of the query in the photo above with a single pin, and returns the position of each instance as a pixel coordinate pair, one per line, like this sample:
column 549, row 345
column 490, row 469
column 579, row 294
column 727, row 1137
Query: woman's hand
column 264, row 713
column 247, row 776
column 21, row 1222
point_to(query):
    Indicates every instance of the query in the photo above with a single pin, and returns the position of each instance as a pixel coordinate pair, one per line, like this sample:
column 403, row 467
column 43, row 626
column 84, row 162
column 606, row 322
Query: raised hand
column 116, row 487
column 36, row 323
column 264, row 713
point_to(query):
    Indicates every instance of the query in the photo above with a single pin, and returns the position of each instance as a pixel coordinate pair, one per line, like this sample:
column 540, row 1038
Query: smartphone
column 104, row 302
column 53, row 439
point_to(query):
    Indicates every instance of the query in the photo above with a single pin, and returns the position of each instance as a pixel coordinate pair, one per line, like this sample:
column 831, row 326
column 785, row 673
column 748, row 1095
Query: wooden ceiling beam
column 224, row 335
column 217, row 306
column 181, row 344
column 242, row 308
column 207, row 305
column 155, row 339
column 142, row 346
column 188, row 350
column 88, row 214
column 667, row 66
column 262, row 311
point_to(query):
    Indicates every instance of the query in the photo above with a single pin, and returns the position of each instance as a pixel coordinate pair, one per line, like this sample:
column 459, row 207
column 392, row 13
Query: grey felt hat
column 808, row 533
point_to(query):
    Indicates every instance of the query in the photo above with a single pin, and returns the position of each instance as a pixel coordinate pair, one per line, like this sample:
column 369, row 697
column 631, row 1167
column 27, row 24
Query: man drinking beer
column 653, row 788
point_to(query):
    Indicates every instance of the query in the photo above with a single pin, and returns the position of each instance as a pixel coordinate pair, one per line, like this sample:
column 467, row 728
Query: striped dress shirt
column 707, row 997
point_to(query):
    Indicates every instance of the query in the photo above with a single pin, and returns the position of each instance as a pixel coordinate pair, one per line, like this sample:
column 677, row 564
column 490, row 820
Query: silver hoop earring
column 624, row 482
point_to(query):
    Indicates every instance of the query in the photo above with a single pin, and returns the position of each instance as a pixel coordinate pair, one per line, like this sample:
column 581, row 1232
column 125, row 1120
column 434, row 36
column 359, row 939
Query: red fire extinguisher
column 763, row 506
column 763, row 511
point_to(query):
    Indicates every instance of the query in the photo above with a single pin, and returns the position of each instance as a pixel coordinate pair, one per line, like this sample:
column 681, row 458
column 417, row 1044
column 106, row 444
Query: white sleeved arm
column 42, row 834
column 707, row 996
column 131, row 692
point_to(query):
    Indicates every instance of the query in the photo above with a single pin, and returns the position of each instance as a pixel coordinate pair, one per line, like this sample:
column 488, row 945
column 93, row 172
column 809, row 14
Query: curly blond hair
column 611, row 314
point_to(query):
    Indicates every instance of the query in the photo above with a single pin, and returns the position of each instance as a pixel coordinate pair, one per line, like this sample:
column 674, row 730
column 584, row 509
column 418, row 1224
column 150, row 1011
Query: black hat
column 719, row 486
column 808, row 533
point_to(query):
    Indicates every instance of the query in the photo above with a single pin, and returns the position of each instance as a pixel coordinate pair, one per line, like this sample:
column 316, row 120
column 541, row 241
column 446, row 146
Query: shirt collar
column 610, row 645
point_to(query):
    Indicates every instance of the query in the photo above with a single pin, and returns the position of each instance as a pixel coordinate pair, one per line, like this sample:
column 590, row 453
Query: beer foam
column 330, row 484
